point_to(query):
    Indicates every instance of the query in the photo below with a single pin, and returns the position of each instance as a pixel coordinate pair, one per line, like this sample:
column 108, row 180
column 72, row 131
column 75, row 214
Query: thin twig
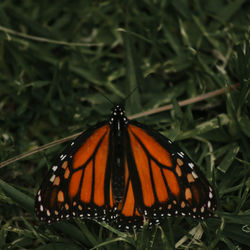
column 46, row 40
column 37, row 149
column 149, row 112
column 183, row 103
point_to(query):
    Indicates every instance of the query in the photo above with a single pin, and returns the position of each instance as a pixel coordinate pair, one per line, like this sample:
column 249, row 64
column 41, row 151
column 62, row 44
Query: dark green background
column 169, row 51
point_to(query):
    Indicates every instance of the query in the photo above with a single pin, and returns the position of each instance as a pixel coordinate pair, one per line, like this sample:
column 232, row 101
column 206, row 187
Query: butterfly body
column 118, row 126
column 122, row 172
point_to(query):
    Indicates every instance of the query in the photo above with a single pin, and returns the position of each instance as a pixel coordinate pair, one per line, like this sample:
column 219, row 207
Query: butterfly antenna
column 107, row 99
column 132, row 92
column 102, row 93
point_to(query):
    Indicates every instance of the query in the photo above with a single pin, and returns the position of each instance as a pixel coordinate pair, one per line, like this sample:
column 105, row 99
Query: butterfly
column 124, row 173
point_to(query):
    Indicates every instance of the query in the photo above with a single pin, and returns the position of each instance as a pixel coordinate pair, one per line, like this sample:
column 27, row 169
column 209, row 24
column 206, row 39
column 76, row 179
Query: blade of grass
column 20, row 198
column 28, row 204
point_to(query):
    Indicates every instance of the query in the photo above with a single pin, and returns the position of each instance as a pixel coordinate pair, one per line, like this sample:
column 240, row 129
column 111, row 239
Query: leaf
column 229, row 158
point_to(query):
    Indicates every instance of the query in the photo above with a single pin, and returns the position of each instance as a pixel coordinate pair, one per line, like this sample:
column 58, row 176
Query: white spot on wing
column 54, row 168
column 210, row 195
column 209, row 204
column 194, row 175
column 62, row 157
column 52, row 178
column 191, row 165
column 180, row 154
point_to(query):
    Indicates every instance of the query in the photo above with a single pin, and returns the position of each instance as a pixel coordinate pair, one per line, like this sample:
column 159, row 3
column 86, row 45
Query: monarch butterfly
column 124, row 173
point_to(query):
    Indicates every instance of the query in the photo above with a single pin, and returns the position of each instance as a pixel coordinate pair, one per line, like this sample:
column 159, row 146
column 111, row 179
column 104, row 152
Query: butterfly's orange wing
column 161, row 181
column 124, row 173
column 79, row 183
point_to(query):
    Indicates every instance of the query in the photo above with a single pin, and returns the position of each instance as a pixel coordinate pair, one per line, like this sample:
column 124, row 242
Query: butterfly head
column 118, row 115
column 119, row 109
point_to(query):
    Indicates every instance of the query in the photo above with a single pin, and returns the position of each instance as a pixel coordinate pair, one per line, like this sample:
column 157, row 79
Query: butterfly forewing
column 123, row 173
